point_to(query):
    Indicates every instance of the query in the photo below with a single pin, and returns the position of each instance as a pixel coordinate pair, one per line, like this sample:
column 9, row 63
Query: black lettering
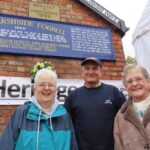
column 71, row 88
column 3, row 88
column 61, row 90
column 24, row 88
column 13, row 88
column 122, row 89
column 32, row 90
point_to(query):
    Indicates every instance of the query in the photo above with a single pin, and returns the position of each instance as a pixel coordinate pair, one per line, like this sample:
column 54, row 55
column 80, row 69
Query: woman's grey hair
column 46, row 71
column 130, row 67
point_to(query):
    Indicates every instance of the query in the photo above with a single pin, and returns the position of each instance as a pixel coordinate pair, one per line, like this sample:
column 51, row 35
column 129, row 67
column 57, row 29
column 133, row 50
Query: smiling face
column 45, row 90
column 91, row 74
column 137, row 85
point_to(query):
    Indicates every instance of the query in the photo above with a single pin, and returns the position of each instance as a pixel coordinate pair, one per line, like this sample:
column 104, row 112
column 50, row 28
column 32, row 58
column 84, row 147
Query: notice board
column 30, row 36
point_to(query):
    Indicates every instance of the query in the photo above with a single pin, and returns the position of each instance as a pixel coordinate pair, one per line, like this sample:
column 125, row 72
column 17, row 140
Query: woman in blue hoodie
column 41, row 123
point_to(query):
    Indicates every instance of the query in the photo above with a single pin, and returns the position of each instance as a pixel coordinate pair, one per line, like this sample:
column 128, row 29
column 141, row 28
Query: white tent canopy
column 141, row 39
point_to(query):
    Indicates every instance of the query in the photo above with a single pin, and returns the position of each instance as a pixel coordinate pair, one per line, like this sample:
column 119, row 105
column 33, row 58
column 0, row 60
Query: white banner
column 17, row 90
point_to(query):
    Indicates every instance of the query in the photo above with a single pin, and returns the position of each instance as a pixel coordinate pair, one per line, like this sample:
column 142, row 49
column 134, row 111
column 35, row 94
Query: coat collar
column 130, row 115
column 34, row 112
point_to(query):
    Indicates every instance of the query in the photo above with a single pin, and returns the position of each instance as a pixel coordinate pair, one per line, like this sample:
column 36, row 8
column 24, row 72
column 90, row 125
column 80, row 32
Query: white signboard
column 17, row 90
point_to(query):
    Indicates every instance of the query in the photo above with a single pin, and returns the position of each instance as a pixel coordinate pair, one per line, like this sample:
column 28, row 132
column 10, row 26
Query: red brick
column 10, row 68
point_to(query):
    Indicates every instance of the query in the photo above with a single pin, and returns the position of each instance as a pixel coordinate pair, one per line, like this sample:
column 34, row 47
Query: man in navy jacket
column 93, row 107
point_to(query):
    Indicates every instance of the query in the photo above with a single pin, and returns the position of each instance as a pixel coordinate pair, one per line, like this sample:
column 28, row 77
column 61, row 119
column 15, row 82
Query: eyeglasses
column 137, row 79
column 44, row 85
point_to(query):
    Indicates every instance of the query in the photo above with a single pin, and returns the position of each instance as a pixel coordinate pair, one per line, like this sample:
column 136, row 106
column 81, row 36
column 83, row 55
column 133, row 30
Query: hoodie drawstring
column 51, row 124
column 37, row 139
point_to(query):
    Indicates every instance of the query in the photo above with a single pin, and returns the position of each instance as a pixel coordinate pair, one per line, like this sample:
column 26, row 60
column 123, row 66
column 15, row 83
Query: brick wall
column 70, row 11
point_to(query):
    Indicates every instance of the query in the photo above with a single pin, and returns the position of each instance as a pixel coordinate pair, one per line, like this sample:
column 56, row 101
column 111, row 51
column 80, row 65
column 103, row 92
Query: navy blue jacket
column 93, row 111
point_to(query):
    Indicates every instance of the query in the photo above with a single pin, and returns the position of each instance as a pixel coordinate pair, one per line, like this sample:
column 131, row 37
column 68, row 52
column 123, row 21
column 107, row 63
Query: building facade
column 81, row 12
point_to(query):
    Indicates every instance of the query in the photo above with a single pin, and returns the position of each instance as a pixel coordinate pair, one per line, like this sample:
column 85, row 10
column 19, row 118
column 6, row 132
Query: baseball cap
column 91, row 59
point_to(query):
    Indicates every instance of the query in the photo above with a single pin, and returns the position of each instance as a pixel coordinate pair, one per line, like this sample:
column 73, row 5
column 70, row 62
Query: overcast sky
column 130, row 11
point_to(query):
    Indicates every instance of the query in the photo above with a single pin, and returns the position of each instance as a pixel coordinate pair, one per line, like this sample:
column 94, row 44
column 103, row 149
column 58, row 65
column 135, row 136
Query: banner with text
column 28, row 36
column 17, row 90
